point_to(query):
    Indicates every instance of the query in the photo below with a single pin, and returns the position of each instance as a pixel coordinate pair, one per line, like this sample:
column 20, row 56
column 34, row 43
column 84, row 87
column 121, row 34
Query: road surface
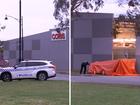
column 130, row 80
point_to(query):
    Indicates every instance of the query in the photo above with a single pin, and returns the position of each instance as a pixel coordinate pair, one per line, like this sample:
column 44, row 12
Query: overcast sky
column 111, row 6
column 38, row 16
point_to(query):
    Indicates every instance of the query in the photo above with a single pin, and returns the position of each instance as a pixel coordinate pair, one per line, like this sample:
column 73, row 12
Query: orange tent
column 114, row 67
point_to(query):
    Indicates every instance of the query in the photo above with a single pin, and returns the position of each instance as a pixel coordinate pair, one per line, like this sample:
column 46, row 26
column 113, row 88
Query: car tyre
column 42, row 76
column 6, row 77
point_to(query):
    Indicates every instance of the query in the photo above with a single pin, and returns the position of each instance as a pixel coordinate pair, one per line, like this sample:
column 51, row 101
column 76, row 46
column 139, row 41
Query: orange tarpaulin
column 114, row 67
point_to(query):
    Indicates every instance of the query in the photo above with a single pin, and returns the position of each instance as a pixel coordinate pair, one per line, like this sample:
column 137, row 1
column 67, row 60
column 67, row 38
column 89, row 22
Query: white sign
column 58, row 36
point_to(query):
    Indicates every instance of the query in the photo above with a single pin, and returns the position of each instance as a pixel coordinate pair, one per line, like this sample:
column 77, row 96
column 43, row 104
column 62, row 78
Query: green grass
column 33, row 92
column 100, row 94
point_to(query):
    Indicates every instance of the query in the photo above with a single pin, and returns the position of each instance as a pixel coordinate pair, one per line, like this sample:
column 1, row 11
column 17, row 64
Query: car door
column 18, row 69
column 30, row 68
column 23, row 70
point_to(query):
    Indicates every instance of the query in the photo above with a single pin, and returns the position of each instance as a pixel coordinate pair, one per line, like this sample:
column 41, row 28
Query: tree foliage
column 78, row 5
column 61, row 12
column 134, row 7
column 133, row 12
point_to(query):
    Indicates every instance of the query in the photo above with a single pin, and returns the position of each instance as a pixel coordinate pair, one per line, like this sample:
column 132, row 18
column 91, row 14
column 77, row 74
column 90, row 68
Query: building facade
column 45, row 46
column 91, row 38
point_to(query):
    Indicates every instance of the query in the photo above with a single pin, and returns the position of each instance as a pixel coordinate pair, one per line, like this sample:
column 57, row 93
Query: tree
column 133, row 12
column 134, row 6
column 61, row 12
column 78, row 5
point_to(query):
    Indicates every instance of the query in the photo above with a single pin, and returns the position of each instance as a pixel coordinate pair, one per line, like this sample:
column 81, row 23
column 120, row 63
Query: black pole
column 22, row 42
column 20, row 34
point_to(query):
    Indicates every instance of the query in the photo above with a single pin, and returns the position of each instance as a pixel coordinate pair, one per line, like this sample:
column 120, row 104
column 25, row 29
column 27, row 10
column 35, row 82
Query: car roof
column 46, row 61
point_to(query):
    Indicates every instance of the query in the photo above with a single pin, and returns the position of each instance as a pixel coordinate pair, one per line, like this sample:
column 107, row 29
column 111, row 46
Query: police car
column 38, row 69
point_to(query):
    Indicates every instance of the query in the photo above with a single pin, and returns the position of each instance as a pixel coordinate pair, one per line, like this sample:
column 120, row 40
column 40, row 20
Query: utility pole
column 20, row 33
column 22, row 42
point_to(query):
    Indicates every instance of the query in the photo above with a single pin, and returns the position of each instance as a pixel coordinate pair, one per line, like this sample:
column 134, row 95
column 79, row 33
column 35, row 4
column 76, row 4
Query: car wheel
column 42, row 76
column 6, row 77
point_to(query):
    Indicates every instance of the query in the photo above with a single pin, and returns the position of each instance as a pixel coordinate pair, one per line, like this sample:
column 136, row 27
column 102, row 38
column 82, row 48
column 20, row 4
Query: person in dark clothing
column 84, row 67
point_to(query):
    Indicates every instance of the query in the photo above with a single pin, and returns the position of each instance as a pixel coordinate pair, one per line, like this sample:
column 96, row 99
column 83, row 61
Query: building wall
column 91, row 38
column 138, row 53
column 40, row 46
column 91, row 41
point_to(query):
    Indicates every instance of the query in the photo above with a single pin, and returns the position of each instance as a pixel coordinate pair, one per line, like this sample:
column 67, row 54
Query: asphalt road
column 64, row 77
column 130, row 80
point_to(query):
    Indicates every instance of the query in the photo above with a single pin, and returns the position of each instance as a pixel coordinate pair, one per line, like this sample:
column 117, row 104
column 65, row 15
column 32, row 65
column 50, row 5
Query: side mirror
column 15, row 66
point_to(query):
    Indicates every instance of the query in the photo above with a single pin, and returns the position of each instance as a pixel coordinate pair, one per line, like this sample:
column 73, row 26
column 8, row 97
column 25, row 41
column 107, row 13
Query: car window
column 21, row 64
column 35, row 63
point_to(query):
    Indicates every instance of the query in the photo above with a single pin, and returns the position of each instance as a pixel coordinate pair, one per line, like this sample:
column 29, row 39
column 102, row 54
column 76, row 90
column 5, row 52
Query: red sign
column 58, row 36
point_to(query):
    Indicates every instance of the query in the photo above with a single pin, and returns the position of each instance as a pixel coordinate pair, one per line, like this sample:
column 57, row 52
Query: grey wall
column 40, row 46
column 138, row 54
column 91, row 38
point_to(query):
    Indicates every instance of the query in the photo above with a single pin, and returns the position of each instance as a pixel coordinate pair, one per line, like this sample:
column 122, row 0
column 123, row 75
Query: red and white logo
column 58, row 36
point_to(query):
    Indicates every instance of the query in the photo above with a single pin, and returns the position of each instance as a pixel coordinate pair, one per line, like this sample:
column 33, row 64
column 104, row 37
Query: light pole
column 21, row 44
column 20, row 33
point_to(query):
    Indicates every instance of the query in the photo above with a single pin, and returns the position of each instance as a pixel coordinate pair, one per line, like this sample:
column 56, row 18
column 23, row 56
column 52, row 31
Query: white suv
column 38, row 69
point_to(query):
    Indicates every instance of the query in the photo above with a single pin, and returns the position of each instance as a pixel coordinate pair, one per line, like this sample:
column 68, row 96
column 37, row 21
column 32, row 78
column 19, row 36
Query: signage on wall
column 58, row 35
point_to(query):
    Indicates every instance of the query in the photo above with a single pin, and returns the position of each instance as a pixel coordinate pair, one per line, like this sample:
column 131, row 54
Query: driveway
column 130, row 80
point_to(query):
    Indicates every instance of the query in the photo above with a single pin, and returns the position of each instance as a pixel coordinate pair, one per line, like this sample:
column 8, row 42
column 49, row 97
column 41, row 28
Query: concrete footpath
column 130, row 80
